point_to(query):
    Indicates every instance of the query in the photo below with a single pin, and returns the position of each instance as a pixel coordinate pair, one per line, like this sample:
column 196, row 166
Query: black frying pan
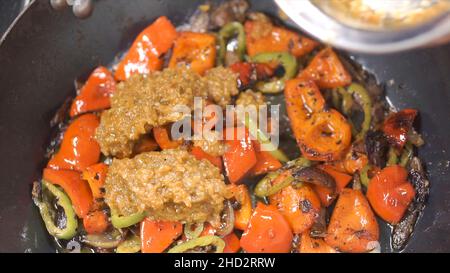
column 46, row 50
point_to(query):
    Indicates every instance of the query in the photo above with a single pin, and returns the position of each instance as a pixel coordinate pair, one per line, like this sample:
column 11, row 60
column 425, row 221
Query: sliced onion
column 227, row 223
column 314, row 176
column 105, row 240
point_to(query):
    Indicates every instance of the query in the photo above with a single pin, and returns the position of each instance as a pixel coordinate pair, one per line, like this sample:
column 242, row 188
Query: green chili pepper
column 264, row 140
column 347, row 101
column 227, row 32
column 265, row 188
column 131, row 245
column 286, row 60
column 200, row 242
column 392, row 157
column 364, row 175
column 191, row 233
column 366, row 103
column 126, row 221
column 406, row 154
column 47, row 213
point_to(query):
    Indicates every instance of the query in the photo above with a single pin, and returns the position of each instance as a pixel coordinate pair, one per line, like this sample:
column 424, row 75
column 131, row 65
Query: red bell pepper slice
column 267, row 232
column 79, row 149
column 390, row 194
column 157, row 236
column 95, row 175
column 397, row 126
column 144, row 55
column 240, row 156
column 96, row 92
column 76, row 188
column 200, row 154
column 265, row 161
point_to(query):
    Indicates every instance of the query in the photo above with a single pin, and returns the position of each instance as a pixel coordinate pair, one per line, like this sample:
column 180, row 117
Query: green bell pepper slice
column 47, row 213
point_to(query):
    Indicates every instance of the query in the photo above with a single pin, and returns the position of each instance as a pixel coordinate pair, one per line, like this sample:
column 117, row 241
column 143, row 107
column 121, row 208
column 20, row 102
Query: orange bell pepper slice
column 200, row 154
column 397, row 126
column 390, row 193
column 263, row 37
column 353, row 224
column 300, row 206
column 161, row 135
column 157, row 236
column 79, row 149
column 243, row 214
column 240, row 156
column 145, row 144
column 96, row 222
column 326, row 70
column 197, row 50
column 95, row 175
column 145, row 53
column 232, row 243
column 313, row 245
column 327, row 136
column 96, row 92
column 267, row 232
column 265, row 162
column 76, row 188
column 325, row 194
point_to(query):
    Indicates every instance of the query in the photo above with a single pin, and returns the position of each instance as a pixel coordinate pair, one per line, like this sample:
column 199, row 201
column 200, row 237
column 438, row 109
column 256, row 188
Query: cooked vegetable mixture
column 117, row 181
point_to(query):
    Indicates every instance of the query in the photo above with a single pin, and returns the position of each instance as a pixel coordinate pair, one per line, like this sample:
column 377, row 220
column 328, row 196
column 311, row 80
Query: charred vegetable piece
column 226, row 33
column 196, row 245
column 267, row 232
column 250, row 73
column 376, row 147
column 353, row 225
column 322, row 134
column 300, row 206
column 96, row 222
column 327, row 70
column 95, row 175
column 327, row 136
column 157, row 236
column 240, row 156
column 145, row 53
column 197, row 50
column 77, row 189
column 309, row 244
column 62, row 200
column 390, row 193
column 328, row 194
column 96, row 92
column 286, row 60
column 397, row 126
column 243, row 206
column 262, row 37
column 405, row 227
column 275, row 181
column 79, row 149
column 366, row 104
column 132, row 244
